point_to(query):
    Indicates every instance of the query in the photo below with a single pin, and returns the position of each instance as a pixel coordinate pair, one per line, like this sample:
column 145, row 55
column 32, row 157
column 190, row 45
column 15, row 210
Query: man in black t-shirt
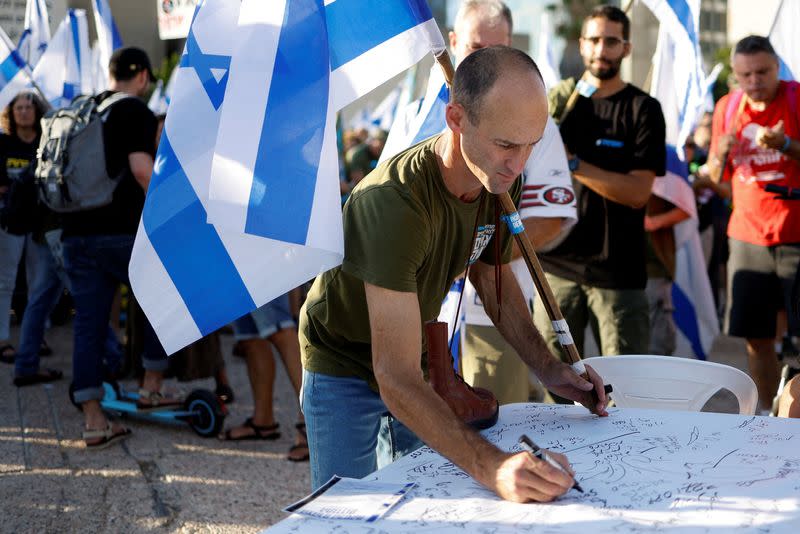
column 615, row 139
column 98, row 245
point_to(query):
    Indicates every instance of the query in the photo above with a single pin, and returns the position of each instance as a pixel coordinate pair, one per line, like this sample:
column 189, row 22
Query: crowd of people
column 579, row 160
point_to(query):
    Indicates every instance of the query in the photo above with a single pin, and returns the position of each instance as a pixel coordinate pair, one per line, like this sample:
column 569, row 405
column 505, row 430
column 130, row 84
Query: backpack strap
column 104, row 106
column 736, row 103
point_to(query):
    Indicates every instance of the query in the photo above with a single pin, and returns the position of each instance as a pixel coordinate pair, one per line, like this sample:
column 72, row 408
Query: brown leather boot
column 475, row 406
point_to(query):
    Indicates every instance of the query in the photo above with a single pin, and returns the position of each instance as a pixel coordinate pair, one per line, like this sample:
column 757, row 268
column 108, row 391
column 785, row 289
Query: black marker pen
column 533, row 449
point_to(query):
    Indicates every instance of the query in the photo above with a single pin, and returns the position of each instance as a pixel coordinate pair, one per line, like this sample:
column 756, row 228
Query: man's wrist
column 786, row 144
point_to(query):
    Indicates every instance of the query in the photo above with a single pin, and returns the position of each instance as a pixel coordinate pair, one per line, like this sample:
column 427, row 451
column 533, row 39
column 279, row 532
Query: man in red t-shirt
column 755, row 134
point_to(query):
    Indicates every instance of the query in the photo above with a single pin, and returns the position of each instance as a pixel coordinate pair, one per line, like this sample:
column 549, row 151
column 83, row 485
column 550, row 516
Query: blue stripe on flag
column 675, row 165
column 116, row 38
column 285, row 172
column 73, row 21
column 684, row 14
column 69, row 91
column 685, row 319
column 10, row 67
column 190, row 249
column 434, row 123
column 353, row 29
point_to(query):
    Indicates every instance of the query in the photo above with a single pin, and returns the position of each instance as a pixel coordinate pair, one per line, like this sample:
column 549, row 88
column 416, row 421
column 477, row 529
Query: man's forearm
column 631, row 189
column 541, row 231
column 396, row 343
column 426, row 414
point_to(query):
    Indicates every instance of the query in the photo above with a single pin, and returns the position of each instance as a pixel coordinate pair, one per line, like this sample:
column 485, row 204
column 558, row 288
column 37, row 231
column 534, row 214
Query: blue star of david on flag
column 212, row 69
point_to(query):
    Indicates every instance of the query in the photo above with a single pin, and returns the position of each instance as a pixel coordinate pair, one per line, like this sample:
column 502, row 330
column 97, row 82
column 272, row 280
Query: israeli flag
column 318, row 60
column 383, row 115
column 108, row 40
column 420, row 120
column 36, row 32
column 65, row 69
column 161, row 97
column 786, row 40
column 681, row 87
column 14, row 72
column 182, row 269
column 679, row 23
column 244, row 200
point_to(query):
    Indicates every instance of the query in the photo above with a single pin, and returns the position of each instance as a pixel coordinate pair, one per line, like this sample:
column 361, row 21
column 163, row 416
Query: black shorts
column 760, row 281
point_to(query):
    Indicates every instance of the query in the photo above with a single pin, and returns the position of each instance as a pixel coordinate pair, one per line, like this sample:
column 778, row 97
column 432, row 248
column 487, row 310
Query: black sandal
column 301, row 429
column 8, row 353
column 267, row 432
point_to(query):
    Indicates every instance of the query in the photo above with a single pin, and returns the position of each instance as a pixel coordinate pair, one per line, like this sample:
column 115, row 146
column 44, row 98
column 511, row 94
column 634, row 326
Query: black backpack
column 21, row 209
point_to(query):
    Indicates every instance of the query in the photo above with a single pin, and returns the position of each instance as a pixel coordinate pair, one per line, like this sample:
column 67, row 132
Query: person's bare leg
column 789, row 405
column 261, row 372
column 763, row 364
column 289, row 348
column 152, row 381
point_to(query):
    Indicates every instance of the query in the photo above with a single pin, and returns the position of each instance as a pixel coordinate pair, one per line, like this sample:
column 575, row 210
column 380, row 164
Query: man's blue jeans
column 96, row 266
column 46, row 282
column 350, row 431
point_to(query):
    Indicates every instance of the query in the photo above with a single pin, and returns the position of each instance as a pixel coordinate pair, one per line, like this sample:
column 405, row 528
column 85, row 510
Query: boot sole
column 482, row 424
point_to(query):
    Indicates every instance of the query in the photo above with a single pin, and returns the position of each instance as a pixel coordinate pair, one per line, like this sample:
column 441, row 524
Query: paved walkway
column 163, row 478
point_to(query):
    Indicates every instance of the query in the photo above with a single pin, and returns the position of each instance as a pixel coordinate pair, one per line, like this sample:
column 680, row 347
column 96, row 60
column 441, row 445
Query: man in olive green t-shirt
column 409, row 230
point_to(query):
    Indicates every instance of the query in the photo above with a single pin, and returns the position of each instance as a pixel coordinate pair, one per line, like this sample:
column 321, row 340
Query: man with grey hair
column 754, row 142
column 547, row 208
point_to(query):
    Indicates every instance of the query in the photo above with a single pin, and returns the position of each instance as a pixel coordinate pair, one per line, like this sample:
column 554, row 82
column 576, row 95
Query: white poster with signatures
column 175, row 17
column 640, row 470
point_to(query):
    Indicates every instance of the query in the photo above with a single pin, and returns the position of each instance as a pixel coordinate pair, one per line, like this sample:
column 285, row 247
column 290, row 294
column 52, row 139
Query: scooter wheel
column 207, row 413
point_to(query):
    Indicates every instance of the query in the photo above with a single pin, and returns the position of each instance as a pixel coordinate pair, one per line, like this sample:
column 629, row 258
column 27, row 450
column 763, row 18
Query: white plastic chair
column 672, row 383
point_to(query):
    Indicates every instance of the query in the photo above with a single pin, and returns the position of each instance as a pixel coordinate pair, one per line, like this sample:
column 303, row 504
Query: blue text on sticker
column 613, row 143
column 514, row 223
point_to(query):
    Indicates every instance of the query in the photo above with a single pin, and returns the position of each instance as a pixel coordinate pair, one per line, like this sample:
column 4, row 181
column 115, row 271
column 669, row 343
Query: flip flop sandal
column 301, row 428
column 7, row 353
column 151, row 401
column 268, row 432
column 43, row 375
column 107, row 437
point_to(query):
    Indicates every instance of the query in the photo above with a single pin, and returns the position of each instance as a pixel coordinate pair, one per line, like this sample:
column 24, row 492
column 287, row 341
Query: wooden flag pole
column 518, row 229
